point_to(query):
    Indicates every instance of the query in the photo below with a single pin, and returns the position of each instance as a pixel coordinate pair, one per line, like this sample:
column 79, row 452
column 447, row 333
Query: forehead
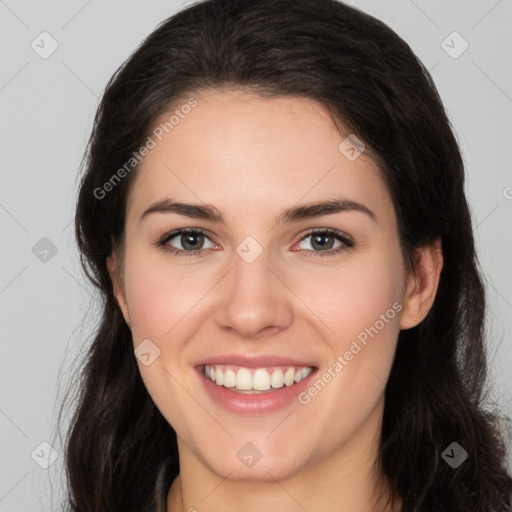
column 240, row 151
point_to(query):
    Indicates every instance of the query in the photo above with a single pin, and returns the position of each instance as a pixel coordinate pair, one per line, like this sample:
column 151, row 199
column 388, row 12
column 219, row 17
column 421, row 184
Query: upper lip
column 260, row 361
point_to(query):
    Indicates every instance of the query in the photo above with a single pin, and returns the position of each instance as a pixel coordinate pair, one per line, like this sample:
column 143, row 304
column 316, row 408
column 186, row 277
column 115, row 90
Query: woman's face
column 268, row 297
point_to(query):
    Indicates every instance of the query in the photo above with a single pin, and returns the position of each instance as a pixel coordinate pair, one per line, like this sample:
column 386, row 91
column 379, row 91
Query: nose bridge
column 251, row 262
column 253, row 298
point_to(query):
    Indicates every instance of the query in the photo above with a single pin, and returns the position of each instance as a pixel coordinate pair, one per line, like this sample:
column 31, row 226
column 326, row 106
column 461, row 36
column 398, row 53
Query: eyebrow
column 295, row 214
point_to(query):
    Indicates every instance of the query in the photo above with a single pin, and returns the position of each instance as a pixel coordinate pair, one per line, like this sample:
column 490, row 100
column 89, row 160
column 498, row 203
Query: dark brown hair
column 374, row 85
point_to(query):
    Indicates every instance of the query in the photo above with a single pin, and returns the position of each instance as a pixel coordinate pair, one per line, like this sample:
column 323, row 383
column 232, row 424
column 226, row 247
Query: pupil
column 190, row 237
column 320, row 237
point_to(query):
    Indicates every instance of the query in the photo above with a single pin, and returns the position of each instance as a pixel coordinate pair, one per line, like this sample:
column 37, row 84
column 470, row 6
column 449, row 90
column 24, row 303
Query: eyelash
column 347, row 242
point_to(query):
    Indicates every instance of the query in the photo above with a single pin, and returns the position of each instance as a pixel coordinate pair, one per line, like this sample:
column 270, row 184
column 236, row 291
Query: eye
column 324, row 240
column 191, row 241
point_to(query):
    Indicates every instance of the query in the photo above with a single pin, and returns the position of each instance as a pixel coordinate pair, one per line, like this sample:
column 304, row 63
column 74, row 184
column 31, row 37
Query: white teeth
column 244, row 379
column 289, row 376
column 257, row 380
column 219, row 377
column 277, row 379
column 261, row 380
column 229, row 378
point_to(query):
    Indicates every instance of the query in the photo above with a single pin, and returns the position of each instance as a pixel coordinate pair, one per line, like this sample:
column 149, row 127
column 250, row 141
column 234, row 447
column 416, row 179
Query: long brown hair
column 370, row 81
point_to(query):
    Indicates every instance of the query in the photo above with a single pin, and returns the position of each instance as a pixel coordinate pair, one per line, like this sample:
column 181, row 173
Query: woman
column 273, row 209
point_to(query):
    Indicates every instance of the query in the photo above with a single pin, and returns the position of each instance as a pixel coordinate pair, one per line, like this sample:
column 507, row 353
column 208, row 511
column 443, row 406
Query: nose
column 254, row 299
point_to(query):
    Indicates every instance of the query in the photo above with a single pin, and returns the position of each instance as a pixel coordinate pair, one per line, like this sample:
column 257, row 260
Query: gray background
column 47, row 107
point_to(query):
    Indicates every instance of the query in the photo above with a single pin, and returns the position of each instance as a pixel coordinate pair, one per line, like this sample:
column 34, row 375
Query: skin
column 253, row 157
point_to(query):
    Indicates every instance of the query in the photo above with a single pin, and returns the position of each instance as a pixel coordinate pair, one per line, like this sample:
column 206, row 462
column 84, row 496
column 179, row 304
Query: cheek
column 159, row 297
column 159, row 301
column 361, row 305
column 353, row 295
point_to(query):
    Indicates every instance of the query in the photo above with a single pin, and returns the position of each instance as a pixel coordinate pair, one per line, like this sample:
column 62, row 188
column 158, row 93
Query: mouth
column 254, row 391
column 255, row 380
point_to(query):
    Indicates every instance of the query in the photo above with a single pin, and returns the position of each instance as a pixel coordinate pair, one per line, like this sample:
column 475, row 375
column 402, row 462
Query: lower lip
column 253, row 404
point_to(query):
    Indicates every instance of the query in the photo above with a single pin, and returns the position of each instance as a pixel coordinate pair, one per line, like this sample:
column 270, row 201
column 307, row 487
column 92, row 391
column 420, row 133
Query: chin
column 268, row 463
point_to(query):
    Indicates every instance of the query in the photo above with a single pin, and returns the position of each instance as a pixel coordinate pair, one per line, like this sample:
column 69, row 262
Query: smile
column 254, row 390
column 255, row 380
